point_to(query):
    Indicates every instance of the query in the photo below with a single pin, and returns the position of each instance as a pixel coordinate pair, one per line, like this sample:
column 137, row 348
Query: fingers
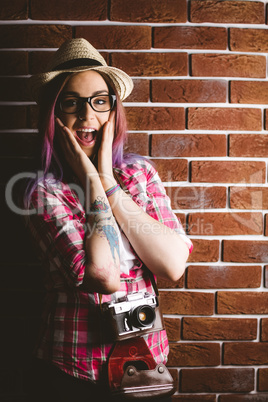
column 67, row 140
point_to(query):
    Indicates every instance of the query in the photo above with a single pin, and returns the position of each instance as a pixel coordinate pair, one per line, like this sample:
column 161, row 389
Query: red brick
column 41, row 36
column 181, row 302
column 13, row 117
column 264, row 329
column 249, row 197
column 155, row 118
column 217, row 380
column 249, row 92
column 151, row 64
column 245, row 353
column 215, row 118
column 18, row 144
column 252, row 145
column 243, row 398
column 197, row 197
column 141, row 91
column 194, row 354
column 14, row 10
column 183, row 145
column 228, row 172
column 173, row 328
column 172, row 169
column 137, row 143
column 194, row 398
column 245, row 251
column 148, row 11
column 236, row 12
column 225, row 223
column 248, row 40
column 223, row 277
column 183, row 37
column 242, row 302
column 204, row 251
column 95, row 10
column 116, row 37
column 165, row 284
column 228, row 65
column 14, row 89
column 218, row 328
column 189, row 91
column 266, row 276
column 14, row 63
column 266, row 225
column 263, row 380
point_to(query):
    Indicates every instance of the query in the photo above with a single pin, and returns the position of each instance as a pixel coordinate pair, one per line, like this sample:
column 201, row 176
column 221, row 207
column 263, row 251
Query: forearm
column 161, row 249
column 102, row 273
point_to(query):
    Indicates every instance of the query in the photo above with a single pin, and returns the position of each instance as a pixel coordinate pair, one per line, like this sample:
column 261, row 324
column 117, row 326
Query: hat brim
column 122, row 82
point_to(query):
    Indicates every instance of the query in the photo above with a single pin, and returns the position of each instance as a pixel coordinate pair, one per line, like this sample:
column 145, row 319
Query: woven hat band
column 76, row 63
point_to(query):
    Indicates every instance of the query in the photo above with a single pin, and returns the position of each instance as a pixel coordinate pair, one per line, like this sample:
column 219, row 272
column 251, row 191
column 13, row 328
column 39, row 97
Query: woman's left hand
column 105, row 157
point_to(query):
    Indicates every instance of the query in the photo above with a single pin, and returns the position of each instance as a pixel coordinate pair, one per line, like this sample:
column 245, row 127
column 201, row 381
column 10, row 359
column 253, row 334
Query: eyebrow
column 104, row 92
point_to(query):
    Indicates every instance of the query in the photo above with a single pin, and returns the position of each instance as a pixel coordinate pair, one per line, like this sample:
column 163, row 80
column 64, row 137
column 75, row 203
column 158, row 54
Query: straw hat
column 78, row 55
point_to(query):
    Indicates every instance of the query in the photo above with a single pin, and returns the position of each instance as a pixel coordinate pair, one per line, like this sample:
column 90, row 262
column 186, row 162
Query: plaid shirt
column 72, row 335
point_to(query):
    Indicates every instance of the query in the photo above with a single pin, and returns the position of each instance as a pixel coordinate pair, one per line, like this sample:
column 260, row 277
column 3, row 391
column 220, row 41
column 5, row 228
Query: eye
column 101, row 100
column 70, row 102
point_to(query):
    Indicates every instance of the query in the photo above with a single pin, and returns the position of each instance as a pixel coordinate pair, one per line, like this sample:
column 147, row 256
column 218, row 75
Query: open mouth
column 86, row 136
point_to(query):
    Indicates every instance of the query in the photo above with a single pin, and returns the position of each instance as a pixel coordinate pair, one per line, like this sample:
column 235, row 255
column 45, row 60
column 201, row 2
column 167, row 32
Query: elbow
column 176, row 266
column 104, row 281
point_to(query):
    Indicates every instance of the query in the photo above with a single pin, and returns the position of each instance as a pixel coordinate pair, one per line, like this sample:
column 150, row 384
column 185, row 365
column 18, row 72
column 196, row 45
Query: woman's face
column 86, row 124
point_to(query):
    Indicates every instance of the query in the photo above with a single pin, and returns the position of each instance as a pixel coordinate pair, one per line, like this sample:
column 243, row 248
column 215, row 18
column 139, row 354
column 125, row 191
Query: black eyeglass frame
column 89, row 101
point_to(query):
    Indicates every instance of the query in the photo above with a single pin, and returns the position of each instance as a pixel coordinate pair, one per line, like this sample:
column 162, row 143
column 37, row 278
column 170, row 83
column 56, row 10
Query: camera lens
column 143, row 316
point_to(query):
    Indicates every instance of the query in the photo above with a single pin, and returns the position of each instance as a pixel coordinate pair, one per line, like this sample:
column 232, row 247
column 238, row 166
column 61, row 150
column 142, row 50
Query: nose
column 86, row 113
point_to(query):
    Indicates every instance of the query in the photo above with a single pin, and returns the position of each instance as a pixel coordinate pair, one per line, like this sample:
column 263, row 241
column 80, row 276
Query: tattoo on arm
column 103, row 227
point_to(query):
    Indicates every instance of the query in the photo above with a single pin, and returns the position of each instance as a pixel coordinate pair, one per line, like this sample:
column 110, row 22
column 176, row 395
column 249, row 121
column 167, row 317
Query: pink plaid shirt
column 72, row 335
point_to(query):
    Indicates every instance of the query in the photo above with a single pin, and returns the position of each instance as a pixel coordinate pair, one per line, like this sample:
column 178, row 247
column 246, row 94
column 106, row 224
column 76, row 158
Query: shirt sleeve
column 160, row 206
column 60, row 236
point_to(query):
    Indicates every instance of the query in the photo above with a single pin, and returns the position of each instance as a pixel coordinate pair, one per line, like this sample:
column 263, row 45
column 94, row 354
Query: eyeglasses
column 99, row 103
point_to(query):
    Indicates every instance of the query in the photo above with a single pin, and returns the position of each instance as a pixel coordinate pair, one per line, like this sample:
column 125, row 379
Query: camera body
column 135, row 314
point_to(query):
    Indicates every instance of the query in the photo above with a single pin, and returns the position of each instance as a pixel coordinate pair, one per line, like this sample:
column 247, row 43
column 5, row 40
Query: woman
column 98, row 239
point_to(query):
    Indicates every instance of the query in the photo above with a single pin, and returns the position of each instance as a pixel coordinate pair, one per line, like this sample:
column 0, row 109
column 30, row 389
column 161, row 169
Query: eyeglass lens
column 99, row 103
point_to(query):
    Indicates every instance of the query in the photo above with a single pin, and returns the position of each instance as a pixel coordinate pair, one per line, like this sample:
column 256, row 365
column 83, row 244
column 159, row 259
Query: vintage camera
column 133, row 315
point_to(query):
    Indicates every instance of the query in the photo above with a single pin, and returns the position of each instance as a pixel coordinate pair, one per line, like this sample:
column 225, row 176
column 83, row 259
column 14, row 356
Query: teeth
column 86, row 130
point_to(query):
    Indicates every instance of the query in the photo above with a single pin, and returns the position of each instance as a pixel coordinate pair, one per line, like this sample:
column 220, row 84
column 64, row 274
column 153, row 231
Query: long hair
column 52, row 161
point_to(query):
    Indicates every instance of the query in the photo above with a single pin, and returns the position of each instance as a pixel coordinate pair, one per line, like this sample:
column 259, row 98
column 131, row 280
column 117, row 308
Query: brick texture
column 190, row 38
column 217, row 380
column 198, row 112
column 150, row 11
column 249, row 197
column 219, row 328
column 151, row 64
column 218, row 277
column 248, row 145
column 214, row 118
column 245, row 353
column 228, row 172
column 248, row 40
column 236, row 12
column 95, row 10
column 224, row 65
column 125, row 37
column 245, row 251
column 183, row 145
column 184, row 91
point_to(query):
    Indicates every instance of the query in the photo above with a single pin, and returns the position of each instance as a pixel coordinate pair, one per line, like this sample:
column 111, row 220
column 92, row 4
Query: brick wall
column 199, row 111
